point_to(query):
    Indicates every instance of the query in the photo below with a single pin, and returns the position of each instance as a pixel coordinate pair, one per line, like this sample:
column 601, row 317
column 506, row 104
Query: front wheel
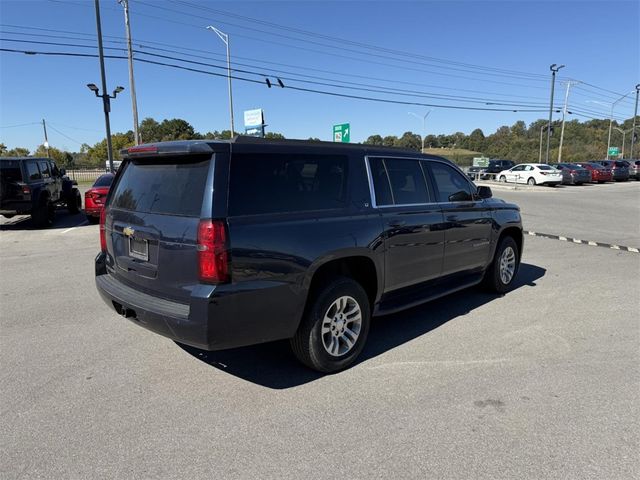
column 504, row 267
column 503, row 179
column 335, row 326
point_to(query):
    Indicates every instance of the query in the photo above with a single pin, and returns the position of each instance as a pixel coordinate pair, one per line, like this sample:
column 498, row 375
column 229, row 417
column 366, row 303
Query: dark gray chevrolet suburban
column 231, row 243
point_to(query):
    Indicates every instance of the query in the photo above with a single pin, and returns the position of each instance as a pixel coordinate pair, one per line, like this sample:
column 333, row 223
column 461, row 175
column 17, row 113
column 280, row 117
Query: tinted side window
column 407, row 181
column 32, row 171
column 275, row 183
column 44, row 169
column 104, row 181
column 380, row 182
column 448, row 181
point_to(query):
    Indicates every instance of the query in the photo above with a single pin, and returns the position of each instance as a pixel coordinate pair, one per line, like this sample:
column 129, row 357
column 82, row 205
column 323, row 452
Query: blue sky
column 494, row 52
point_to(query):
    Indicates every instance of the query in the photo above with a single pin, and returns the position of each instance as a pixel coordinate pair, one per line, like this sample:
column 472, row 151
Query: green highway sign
column 614, row 151
column 342, row 133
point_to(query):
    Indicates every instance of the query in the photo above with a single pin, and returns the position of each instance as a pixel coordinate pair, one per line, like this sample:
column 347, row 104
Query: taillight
column 213, row 259
column 26, row 190
column 103, row 231
column 573, row 172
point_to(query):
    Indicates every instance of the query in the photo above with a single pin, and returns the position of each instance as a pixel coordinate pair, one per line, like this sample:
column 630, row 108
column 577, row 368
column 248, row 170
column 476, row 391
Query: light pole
column 106, row 102
column 540, row 152
column 624, row 134
column 424, row 125
column 564, row 114
column 554, row 69
column 132, row 85
column 633, row 128
column 225, row 38
column 611, row 120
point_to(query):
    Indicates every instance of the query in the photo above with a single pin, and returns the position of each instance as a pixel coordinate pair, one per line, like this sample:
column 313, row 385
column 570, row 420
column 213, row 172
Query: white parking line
column 86, row 222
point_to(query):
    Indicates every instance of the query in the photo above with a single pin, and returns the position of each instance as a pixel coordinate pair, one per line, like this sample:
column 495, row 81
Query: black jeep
column 35, row 186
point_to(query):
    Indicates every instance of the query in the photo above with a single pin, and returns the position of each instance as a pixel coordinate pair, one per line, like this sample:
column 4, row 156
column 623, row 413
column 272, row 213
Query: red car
column 599, row 173
column 94, row 197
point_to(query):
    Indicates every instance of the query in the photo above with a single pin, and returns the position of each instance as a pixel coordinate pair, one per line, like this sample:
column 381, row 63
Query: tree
column 177, row 129
column 389, row 141
column 274, row 136
column 60, row 157
column 374, row 140
column 3, row 149
column 150, row 130
column 97, row 155
column 409, row 140
column 17, row 152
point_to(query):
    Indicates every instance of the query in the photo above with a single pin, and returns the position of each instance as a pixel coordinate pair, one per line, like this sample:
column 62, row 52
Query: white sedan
column 532, row 174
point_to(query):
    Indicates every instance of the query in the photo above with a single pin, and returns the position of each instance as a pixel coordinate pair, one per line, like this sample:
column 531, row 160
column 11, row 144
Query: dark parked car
column 497, row 166
column 576, row 175
column 619, row 171
column 634, row 168
column 95, row 197
column 35, row 186
column 599, row 173
column 224, row 244
column 474, row 173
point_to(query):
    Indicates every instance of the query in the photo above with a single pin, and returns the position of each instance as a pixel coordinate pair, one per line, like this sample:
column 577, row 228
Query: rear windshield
column 620, row 164
column 10, row 171
column 545, row 167
column 170, row 186
column 104, row 181
column 275, row 183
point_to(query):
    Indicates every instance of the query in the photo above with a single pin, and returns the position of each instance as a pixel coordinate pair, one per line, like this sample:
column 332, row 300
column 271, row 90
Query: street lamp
column 225, row 38
column 633, row 128
column 612, row 105
column 624, row 134
column 554, row 69
column 106, row 104
column 424, row 125
column 542, row 128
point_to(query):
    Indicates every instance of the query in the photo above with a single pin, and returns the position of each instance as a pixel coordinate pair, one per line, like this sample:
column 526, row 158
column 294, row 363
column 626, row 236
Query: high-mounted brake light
column 142, row 150
column 213, row 259
column 103, row 231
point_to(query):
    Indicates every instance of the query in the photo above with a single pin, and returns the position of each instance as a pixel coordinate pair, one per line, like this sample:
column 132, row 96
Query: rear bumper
column 216, row 317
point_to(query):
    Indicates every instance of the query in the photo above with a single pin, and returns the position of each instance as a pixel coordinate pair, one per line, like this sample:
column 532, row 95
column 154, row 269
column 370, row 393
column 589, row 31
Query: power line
column 20, row 125
column 65, row 136
column 288, row 87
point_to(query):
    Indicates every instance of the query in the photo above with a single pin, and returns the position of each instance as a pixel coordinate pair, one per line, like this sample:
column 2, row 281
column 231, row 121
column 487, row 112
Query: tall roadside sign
column 254, row 122
column 342, row 133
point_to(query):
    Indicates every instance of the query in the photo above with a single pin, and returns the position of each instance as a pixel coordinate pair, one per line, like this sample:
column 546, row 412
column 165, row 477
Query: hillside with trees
column 519, row 142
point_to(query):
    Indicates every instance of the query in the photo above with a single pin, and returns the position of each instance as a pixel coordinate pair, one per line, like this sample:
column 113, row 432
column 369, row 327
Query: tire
column 493, row 280
column 44, row 214
column 503, row 179
column 531, row 181
column 74, row 204
column 328, row 351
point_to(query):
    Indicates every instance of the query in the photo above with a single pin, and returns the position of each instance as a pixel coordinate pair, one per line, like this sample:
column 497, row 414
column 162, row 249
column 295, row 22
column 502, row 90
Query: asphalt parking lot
column 543, row 382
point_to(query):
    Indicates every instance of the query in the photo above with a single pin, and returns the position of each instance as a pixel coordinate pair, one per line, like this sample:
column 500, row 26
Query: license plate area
column 139, row 248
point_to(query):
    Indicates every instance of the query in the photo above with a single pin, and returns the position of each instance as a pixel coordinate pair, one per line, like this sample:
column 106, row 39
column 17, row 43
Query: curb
column 583, row 242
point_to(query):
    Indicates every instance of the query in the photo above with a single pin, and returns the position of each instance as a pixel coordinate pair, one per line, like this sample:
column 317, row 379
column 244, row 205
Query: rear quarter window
column 10, row 171
column 170, row 186
column 279, row 183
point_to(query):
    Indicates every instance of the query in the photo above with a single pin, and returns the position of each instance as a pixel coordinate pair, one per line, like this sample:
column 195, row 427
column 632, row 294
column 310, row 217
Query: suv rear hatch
column 152, row 222
column 13, row 190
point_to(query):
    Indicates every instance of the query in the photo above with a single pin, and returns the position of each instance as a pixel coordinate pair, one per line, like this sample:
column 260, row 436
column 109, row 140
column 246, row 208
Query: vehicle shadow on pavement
column 63, row 219
column 273, row 365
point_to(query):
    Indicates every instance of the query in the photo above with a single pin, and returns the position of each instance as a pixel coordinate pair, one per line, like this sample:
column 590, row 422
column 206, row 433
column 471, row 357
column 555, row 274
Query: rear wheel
column 335, row 326
column 44, row 214
column 531, row 181
column 502, row 271
column 74, row 204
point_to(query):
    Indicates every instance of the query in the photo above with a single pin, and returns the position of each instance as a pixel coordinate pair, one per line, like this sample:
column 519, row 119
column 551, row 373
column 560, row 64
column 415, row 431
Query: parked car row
column 578, row 173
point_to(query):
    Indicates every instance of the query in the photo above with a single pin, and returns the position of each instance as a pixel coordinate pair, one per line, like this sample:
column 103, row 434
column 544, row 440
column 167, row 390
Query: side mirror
column 484, row 192
column 460, row 196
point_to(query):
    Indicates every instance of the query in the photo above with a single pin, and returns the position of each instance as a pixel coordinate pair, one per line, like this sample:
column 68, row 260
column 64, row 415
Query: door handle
column 397, row 223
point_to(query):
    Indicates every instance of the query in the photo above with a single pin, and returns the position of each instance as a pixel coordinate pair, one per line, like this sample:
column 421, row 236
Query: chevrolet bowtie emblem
column 128, row 231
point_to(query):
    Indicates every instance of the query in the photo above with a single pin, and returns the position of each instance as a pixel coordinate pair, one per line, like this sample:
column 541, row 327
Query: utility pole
column 554, row 69
column 633, row 128
column 564, row 114
column 46, row 140
column 105, row 98
column 132, row 85
column 225, row 38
